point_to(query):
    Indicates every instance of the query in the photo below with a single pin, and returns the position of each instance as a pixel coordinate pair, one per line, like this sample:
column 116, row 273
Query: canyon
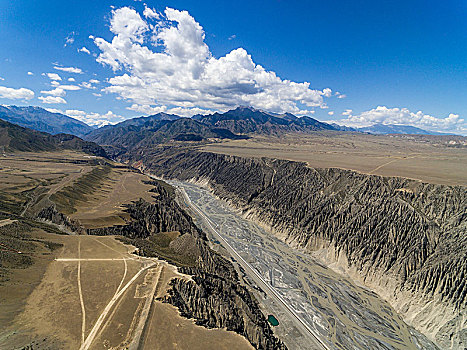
column 402, row 238
column 246, row 228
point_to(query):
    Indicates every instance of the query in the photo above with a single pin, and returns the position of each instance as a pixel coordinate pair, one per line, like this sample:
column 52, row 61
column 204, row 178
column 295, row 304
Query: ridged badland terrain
column 403, row 238
column 214, row 297
column 210, row 291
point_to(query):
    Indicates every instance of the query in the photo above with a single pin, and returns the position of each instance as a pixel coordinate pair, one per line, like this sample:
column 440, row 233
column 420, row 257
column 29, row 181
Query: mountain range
column 16, row 138
column 384, row 129
column 249, row 120
column 155, row 129
column 39, row 119
column 234, row 124
column 162, row 127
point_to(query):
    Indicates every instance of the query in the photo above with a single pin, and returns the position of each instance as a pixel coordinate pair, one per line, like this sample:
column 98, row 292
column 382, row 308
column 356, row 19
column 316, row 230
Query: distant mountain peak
column 382, row 128
column 244, row 119
column 163, row 116
column 40, row 119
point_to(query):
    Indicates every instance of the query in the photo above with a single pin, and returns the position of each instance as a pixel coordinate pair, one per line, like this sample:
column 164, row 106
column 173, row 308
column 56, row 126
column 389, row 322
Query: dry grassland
column 427, row 158
column 104, row 207
column 70, row 291
column 54, row 310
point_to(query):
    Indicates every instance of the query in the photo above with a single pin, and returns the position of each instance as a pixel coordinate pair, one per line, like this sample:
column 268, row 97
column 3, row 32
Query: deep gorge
column 403, row 238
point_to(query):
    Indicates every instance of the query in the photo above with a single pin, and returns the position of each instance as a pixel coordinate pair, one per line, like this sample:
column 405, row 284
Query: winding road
column 83, row 309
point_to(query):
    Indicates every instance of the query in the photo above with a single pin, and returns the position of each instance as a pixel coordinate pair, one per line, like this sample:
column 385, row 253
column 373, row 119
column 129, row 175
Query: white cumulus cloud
column 164, row 61
column 327, row 92
column 188, row 112
column 403, row 116
column 53, row 76
column 147, row 109
column 181, row 111
column 56, row 84
column 70, row 39
column 87, row 85
column 16, row 94
column 85, row 50
column 69, row 87
column 52, row 99
column 95, row 119
column 69, row 69
column 54, row 110
column 55, row 92
column 150, row 13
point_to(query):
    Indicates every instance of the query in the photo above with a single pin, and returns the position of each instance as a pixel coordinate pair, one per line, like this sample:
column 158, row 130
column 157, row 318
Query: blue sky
column 402, row 62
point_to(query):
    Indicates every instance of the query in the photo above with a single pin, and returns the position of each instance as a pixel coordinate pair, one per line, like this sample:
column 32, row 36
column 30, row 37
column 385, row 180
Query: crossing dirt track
column 70, row 291
column 97, row 295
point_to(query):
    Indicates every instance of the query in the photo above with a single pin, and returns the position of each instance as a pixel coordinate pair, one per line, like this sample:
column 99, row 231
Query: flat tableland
column 434, row 159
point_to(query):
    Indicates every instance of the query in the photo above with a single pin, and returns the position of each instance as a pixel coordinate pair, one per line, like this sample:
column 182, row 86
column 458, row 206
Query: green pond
column 272, row 320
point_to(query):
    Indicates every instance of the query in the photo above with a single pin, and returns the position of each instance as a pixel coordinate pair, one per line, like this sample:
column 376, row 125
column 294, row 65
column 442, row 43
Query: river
column 342, row 314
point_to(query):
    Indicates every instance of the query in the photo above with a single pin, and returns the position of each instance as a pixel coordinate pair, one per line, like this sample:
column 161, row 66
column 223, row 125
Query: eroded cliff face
column 65, row 223
column 405, row 239
column 214, row 297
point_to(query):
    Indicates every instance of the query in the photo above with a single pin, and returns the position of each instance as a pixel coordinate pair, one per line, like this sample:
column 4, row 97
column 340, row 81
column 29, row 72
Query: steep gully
column 214, row 297
column 314, row 340
column 404, row 239
column 339, row 313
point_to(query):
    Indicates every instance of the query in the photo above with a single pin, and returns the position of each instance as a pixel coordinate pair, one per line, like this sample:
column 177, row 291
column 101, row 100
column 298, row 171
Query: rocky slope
column 246, row 120
column 214, row 297
column 16, row 138
column 51, row 215
column 405, row 239
column 150, row 131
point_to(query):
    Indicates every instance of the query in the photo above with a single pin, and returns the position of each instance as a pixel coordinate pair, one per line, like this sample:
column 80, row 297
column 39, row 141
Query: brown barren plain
column 88, row 292
column 426, row 158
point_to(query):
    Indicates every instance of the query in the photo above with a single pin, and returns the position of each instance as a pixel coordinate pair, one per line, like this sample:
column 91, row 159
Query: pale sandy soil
column 171, row 331
column 54, row 311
